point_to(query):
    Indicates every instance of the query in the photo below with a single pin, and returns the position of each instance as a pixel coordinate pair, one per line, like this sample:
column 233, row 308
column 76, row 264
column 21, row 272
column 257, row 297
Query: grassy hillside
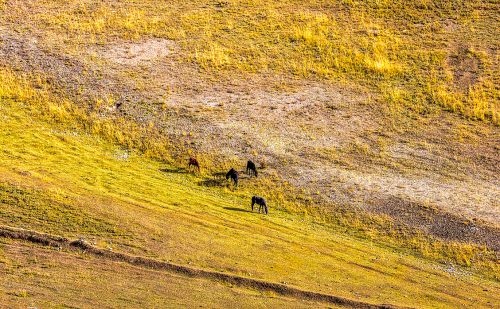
column 343, row 103
column 57, row 178
column 414, row 56
column 374, row 126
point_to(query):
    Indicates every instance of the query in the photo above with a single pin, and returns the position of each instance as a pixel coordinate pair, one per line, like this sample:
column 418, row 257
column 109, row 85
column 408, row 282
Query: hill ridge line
column 280, row 289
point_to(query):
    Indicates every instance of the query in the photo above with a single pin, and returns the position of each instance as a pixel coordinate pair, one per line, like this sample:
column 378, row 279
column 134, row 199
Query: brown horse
column 195, row 163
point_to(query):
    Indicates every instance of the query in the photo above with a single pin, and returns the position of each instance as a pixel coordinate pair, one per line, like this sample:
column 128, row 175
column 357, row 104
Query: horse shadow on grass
column 173, row 170
column 211, row 182
column 236, row 209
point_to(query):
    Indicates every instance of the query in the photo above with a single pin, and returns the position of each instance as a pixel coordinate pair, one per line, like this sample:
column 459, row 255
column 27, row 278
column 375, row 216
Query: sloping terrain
column 374, row 125
column 34, row 276
column 68, row 183
column 345, row 103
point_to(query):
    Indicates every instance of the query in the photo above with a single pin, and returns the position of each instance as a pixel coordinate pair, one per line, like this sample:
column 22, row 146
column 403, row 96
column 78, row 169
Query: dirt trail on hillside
column 328, row 139
column 280, row 289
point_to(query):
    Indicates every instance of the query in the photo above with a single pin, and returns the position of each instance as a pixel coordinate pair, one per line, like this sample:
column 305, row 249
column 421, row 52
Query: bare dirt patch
column 133, row 54
column 437, row 222
column 466, row 67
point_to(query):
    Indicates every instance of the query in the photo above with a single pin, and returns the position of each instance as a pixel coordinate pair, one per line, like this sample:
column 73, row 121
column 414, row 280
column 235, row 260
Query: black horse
column 251, row 168
column 233, row 174
column 261, row 202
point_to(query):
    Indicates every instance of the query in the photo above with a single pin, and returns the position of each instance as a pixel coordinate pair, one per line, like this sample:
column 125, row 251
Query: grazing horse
column 233, row 174
column 261, row 202
column 194, row 162
column 251, row 168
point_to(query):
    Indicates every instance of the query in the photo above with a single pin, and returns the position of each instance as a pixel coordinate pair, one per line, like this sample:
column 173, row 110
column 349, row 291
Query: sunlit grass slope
column 56, row 178
column 37, row 93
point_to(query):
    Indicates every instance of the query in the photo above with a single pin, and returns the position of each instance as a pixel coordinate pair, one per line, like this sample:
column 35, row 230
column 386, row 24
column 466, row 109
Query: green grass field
column 51, row 279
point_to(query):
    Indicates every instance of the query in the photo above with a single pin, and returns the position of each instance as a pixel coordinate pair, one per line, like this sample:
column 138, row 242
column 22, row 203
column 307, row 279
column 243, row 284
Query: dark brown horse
column 261, row 202
column 195, row 163
column 251, row 168
column 233, row 174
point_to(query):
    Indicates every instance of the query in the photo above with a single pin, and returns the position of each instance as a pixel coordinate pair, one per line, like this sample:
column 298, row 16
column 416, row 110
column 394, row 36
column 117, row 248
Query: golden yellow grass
column 35, row 92
column 122, row 200
column 399, row 50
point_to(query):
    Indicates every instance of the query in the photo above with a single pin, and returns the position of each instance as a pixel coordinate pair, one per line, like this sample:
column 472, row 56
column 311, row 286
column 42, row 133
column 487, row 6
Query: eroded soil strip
column 280, row 289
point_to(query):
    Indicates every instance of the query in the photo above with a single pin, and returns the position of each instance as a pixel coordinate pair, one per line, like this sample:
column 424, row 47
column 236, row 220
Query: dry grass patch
column 374, row 44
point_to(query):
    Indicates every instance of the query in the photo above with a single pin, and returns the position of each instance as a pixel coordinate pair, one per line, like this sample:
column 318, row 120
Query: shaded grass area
column 263, row 286
column 31, row 275
column 32, row 208
column 415, row 57
column 170, row 217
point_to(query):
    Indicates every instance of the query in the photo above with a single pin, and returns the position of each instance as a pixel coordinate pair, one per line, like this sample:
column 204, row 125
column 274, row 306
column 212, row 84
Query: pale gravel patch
column 133, row 54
